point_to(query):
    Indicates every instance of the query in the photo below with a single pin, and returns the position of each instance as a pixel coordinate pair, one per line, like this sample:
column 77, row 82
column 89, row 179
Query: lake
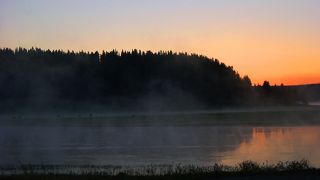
column 142, row 139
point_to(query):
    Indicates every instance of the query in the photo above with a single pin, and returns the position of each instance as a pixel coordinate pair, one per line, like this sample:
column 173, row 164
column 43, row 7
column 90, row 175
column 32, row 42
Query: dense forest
column 136, row 80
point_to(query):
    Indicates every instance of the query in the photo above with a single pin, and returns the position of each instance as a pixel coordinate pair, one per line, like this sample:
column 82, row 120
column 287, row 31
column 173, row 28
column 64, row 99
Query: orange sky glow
column 267, row 40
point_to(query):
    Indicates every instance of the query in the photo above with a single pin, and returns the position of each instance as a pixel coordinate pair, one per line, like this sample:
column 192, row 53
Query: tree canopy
column 139, row 79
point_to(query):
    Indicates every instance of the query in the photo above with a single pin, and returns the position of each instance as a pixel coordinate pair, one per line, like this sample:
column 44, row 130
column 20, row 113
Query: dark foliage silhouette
column 37, row 78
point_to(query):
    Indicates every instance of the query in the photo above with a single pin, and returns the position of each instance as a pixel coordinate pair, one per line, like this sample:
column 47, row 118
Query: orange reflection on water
column 278, row 144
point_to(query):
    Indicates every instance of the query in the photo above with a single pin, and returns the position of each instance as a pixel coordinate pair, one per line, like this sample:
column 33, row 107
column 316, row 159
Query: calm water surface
column 103, row 144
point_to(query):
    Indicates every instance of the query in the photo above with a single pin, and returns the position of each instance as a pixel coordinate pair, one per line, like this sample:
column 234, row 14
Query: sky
column 275, row 40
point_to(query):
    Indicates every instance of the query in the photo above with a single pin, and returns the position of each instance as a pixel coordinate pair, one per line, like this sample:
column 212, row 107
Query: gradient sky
column 275, row 40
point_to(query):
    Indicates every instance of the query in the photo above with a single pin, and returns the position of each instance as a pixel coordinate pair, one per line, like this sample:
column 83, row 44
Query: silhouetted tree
column 46, row 78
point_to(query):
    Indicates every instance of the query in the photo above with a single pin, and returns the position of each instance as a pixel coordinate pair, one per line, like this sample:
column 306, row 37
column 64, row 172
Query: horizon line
column 156, row 52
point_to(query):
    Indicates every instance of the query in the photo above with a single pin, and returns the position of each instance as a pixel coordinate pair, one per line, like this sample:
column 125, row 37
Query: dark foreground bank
column 245, row 170
column 294, row 176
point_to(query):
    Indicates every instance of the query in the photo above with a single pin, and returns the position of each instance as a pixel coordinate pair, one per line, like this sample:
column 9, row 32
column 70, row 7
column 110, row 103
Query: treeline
column 37, row 78
column 311, row 92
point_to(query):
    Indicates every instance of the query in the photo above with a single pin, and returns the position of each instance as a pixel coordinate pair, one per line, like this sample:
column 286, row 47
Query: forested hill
column 37, row 78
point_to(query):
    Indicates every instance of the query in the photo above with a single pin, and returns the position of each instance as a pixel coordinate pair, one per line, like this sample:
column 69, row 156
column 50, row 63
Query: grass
column 243, row 169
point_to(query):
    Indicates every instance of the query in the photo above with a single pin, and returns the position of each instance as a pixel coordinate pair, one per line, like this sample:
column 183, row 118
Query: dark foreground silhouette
column 37, row 79
column 245, row 170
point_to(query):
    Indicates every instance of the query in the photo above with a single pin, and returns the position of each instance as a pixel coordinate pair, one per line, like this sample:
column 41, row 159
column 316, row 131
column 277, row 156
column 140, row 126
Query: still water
column 101, row 143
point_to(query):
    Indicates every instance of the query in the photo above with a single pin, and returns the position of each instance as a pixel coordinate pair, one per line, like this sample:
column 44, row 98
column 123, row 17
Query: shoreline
column 272, row 116
column 246, row 169
column 129, row 113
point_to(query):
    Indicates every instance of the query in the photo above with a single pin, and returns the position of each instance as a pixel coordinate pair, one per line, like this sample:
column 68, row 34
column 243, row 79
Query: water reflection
column 273, row 144
column 133, row 145
column 117, row 145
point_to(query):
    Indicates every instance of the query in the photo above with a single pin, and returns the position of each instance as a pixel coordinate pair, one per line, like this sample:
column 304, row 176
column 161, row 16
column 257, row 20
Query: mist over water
column 137, row 140
column 315, row 103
